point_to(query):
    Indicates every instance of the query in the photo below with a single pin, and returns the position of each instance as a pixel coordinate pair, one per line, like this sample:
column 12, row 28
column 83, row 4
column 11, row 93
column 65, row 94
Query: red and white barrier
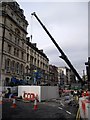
column 84, row 105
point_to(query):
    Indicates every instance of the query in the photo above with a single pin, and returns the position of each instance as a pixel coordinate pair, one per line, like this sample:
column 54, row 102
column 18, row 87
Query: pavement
column 46, row 109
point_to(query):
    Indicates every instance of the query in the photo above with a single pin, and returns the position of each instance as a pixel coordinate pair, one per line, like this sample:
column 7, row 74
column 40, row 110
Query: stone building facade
column 18, row 57
column 13, row 39
column 65, row 76
column 37, row 63
column 53, row 75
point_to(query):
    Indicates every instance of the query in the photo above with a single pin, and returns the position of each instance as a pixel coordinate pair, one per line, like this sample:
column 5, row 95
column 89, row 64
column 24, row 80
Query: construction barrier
column 84, row 105
column 43, row 92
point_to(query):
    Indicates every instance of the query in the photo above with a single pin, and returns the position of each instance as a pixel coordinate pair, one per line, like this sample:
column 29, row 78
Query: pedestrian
column 60, row 92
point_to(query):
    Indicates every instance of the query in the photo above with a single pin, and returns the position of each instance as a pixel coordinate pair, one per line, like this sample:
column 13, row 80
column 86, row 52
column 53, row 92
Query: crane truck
column 83, row 101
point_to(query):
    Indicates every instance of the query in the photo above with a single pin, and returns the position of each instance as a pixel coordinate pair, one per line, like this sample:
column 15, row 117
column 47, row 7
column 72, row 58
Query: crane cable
column 31, row 28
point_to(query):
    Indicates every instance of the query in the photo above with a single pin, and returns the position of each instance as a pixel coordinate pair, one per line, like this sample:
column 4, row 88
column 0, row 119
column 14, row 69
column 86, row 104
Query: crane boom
column 63, row 56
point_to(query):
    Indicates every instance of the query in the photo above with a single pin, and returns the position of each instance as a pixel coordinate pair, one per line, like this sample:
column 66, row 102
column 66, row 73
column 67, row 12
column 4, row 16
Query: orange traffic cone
column 14, row 103
column 37, row 97
column 35, row 104
column 10, row 99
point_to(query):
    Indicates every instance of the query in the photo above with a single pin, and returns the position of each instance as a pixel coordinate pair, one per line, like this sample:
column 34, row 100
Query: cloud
column 67, row 22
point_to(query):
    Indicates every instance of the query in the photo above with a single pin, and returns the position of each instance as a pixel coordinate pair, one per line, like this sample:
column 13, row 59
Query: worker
column 8, row 92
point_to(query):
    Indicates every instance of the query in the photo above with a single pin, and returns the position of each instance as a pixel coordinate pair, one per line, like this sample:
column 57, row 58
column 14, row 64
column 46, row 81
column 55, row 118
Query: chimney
column 34, row 44
column 41, row 50
column 28, row 39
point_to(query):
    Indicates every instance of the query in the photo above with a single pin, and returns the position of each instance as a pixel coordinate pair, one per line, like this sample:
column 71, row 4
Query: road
column 45, row 110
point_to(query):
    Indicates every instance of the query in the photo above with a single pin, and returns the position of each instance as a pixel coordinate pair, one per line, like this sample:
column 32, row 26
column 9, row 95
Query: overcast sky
column 68, row 24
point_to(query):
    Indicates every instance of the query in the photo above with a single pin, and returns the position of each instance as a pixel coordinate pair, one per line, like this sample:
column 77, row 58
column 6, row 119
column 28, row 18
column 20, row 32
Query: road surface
column 45, row 110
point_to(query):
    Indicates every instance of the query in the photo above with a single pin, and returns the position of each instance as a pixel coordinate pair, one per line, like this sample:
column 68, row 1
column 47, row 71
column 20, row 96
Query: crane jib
column 63, row 56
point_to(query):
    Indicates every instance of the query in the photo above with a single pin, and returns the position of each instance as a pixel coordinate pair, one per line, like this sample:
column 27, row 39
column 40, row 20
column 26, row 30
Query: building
column 13, row 31
column 65, row 76
column 53, row 75
column 37, row 64
column 19, row 58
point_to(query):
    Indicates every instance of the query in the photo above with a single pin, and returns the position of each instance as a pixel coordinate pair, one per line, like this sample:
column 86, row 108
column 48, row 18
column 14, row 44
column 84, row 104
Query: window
column 23, row 44
column 11, row 26
column 27, row 49
column 35, row 61
column 12, row 14
column 23, row 25
column 17, row 68
column 13, row 66
column 17, row 32
column 22, row 55
column 17, row 40
column 21, row 69
column 41, row 64
column 10, row 36
column 7, row 65
column 6, row 81
column 15, row 51
column 38, row 63
column 23, row 36
column 27, row 69
column 31, row 59
column 17, row 19
column 27, row 57
column 9, row 48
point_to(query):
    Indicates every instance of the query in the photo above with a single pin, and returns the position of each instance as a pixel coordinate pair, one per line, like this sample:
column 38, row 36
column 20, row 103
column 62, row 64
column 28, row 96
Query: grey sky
column 68, row 24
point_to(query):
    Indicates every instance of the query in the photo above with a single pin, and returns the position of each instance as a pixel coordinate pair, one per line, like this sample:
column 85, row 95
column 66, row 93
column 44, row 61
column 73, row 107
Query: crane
column 63, row 56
